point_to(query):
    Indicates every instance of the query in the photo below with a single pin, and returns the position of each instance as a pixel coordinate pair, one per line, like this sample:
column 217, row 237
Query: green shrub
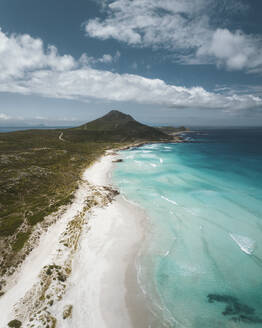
column 21, row 238
column 9, row 225
column 15, row 324
column 67, row 311
column 39, row 173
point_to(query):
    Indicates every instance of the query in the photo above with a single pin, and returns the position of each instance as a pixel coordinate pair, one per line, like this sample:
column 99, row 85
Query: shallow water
column 202, row 265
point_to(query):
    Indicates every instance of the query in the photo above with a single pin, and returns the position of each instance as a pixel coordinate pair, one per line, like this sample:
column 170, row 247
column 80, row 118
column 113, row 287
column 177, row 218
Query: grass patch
column 9, row 225
column 21, row 238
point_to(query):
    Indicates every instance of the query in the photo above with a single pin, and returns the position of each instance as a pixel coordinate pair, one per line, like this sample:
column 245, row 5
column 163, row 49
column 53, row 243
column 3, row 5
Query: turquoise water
column 202, row 264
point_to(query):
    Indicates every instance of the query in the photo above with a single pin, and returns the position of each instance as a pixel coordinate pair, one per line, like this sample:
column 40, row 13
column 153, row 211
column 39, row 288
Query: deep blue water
column 21, row 128
column 201, row 266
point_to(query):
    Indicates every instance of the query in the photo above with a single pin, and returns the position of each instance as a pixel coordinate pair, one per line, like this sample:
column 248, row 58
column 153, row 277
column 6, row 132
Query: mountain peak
column 118, row 126
column 117, row 115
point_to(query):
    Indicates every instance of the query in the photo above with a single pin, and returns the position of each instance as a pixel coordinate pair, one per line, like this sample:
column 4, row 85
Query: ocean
column 4, row 129
column 201, row 264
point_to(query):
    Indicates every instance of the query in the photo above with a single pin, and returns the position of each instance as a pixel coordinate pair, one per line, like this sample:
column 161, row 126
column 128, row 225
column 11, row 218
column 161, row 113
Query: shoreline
column 100, row 287
column 121, row 294
column 176, row 140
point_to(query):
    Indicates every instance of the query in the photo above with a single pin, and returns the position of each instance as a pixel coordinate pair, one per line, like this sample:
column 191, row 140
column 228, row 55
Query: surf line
column 169, row 200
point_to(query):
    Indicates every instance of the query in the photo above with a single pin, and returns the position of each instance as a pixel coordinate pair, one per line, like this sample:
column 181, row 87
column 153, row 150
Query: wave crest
column 246, row 244
column 169, row 200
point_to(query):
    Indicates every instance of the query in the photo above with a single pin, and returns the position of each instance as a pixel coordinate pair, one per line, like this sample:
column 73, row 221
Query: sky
column 177, row 62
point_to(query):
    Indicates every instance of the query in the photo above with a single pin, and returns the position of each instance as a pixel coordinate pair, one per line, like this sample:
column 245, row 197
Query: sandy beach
column 99, row 288
column 101, row 285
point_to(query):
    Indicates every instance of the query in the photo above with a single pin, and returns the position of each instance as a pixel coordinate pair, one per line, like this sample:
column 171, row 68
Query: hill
column 110, row 121
column 118, row 127
column 40, row 170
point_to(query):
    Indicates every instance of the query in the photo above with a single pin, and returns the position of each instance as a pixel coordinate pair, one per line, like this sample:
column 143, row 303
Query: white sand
column 42, row 255
column 102, row 286
column 99, row 285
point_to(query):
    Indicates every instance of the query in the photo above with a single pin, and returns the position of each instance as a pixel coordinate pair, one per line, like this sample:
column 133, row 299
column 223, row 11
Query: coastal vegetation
column 40, row 170
column 50, row 288
column 39, row 174
column 15, row 324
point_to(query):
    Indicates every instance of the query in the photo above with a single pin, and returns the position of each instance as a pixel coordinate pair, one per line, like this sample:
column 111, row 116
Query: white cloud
column 153, row 23
column 22, row 53
column 117, row 55
column 4, row 117
column 105, row 59
column 48, row 74
column 185, row 27
column 235, row 51
column 85, row 83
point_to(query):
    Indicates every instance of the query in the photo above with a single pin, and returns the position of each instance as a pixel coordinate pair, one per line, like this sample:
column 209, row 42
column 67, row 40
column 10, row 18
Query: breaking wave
column 169, row 200
column 246, row 244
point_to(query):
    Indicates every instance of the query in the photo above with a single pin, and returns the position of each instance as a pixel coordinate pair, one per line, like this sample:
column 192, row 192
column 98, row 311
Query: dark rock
column 240, row 312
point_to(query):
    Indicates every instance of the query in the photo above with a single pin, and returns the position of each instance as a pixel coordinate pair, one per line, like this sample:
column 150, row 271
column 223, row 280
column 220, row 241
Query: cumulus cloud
column 105, row 59
column 22, row 53
column 235, row 51
column 152, row 23
column 188, row 28
column 46, row 73
column 4, row 116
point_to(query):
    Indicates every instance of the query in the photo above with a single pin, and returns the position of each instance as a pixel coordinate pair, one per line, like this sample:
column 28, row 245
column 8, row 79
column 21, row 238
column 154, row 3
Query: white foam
column 160, row 160
column 187, row 269
column 246, row 244
column 169, row 200
column 193, row 211
column 166, row 253
column 152, row 164
column 150, row 147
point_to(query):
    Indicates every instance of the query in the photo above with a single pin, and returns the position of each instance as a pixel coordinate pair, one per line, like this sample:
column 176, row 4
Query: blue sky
column 191, row 62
